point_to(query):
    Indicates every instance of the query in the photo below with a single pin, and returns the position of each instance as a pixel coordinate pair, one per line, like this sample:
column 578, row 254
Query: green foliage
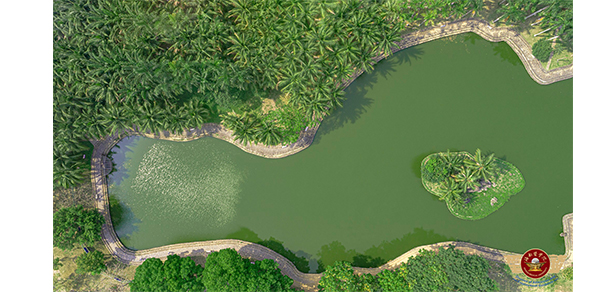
column 56, row 264
column 444, row 270
column 289, row 120
column 173, row 275
column 477, row 185
column 451, row 191
column 76, row 225
column 301, row 263
column 567, row 274
column 542, row 50
column 338, row 277
column 452, row 161
column 71, row 159
column 467, row 179
column 435, row 170
column 555, row 17
column 91, row 262
column 482, row 166
column 158, row 66
column 226, row 270
column 430, row 12
column 395, row 280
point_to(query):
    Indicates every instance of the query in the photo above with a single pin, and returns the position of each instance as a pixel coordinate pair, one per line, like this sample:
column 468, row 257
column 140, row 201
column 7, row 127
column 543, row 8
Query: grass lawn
column 507, row 182
column 65, row 279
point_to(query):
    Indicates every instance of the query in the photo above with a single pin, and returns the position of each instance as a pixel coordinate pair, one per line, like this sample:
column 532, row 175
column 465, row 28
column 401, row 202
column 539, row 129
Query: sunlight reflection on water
column 171, row 186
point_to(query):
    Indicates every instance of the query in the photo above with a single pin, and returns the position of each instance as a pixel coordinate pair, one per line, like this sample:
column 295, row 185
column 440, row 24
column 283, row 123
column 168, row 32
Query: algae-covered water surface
column 357, row 188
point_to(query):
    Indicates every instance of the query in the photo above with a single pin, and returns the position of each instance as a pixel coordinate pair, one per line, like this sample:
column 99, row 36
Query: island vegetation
column 473, row 186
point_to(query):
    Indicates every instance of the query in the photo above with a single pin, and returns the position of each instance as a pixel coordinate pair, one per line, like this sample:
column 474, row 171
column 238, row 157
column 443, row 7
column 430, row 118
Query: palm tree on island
column 482, row 166
column 450, row 191
column 463, row 181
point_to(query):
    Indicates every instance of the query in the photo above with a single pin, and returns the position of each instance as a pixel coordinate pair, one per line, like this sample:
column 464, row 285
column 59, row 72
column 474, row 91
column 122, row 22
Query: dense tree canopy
column 542, row 50
column 170, row 65
column 554, row 16
column 340, row 277
column 226, row 270
column 443, row 270
column 175, row 274
column 91, row 262
column 76, row 225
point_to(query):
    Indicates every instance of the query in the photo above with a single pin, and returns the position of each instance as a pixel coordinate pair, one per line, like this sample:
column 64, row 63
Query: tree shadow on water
column 470, row 37
column 504, row 51
column 356, row 102
column 118, row 156
column 300, row 259
column 124, row 221
column 378, row 255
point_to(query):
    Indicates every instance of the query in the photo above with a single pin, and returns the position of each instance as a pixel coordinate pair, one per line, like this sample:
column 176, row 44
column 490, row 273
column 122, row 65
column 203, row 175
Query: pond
column 357, row 188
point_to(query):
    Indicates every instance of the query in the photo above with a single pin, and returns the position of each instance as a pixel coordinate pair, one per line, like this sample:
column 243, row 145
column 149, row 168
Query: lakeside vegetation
column 168, row 66
column 159, row 65
column 539, row 21
column 473, row 186
column 76, row 225
column 83, row 104
column 443, row 270
column 225, row 270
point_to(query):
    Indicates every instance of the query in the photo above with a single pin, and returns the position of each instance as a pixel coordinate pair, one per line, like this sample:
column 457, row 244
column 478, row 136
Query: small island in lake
column 473, row 186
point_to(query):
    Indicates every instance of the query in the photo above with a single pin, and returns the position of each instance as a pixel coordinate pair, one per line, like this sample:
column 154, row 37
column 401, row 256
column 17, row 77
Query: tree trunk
column 543, row 31
column 498, row 18
column 536, row 12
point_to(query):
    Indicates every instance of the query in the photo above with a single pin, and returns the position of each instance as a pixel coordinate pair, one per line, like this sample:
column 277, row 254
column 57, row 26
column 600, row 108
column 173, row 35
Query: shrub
column 76, row 225
column 542, row 50
column 91, row 262
column 56, row 264
column 435, row 171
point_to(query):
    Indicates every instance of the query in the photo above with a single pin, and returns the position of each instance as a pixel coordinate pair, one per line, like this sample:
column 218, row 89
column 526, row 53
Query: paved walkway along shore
column 258, row 252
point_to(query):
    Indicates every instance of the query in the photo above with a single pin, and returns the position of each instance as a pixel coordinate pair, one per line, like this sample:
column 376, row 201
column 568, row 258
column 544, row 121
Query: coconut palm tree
column 196, row 112
column 244, row 126
column 114, row 118
column 481, row 165
column 453, row 161
column 450, row 191
column 66, row 173
column 268, row 133
column 466, row 179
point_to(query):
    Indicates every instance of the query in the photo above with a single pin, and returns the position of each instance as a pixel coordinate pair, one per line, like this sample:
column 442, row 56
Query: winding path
column 258, row 252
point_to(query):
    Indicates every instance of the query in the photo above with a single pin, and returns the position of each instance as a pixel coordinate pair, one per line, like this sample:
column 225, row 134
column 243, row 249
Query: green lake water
column 356, row 189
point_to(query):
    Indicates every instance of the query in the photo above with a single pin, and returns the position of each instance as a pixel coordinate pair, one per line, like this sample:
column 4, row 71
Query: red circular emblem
column 535, row 263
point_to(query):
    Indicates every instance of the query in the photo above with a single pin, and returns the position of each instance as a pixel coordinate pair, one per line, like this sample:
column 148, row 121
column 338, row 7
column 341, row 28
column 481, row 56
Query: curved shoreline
column 493, row 34
column 258, row 252
column 255, row 251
